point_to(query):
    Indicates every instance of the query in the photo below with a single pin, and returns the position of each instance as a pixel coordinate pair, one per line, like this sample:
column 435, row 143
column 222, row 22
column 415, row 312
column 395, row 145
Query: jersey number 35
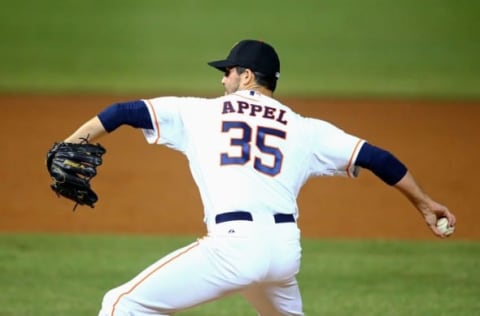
column 260, row 141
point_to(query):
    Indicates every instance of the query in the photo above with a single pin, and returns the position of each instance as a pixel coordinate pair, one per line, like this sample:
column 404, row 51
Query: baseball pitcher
column 249, row 155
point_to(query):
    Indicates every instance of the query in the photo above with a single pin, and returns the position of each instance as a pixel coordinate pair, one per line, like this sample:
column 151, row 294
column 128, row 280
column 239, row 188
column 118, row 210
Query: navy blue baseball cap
column 252, row 54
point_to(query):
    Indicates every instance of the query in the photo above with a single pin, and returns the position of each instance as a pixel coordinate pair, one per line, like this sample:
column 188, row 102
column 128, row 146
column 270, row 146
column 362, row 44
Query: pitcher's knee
column 112, row 304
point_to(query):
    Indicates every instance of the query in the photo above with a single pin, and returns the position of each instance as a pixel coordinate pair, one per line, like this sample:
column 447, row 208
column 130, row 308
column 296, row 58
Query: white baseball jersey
column 248, row 151
column 249, row 156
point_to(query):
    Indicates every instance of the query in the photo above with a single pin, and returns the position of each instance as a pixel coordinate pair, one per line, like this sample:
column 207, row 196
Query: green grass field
column 409, row 48
column 44, row 275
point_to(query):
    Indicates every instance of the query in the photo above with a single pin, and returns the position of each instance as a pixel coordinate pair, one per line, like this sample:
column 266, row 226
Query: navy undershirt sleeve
column 382, row 163
column 133, row 113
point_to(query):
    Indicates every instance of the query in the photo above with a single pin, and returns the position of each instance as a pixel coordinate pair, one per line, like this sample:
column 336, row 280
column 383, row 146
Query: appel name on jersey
column 267, row 112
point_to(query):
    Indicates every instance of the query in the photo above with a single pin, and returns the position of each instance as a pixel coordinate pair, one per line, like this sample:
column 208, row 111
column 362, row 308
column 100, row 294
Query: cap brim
column 221, row 65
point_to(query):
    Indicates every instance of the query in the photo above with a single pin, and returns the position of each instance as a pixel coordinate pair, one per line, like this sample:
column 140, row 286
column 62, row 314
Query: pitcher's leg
column 183, row 279
column 275, row 299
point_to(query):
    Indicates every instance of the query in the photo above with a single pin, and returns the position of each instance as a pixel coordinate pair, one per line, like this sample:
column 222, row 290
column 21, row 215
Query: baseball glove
column 71, row 167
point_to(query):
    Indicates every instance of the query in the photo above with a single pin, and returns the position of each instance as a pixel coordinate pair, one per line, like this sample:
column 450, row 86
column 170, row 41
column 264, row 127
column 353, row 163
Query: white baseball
column 444, row 228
